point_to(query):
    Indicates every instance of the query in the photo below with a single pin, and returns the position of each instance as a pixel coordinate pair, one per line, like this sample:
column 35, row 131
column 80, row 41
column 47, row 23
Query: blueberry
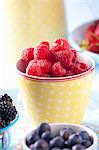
column 86, row 143
column 78, row 147
column 55, row 148
column 66, row 149
column 74, row 139
column 47, row 136
column 64, row 134
column 43, row 128
column 57, row 142
column 40, row 145
column 84, row 135
column 32, row 138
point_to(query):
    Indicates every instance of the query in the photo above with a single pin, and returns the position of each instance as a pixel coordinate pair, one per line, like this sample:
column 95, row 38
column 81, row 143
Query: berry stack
column 8, row 111
column 66, row 138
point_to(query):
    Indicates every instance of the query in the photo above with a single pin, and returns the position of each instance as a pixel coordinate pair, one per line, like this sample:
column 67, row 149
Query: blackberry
column 8, row 111
column 5, row 97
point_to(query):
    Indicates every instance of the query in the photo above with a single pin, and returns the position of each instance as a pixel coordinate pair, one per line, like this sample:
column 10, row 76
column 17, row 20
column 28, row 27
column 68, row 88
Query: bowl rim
column 79, row 126
column 58, row 79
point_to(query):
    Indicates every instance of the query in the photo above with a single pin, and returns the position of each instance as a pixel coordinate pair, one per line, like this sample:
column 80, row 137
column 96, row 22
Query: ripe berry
column 58, row 70
column 61, row 45
column 32, row 138
column 34, row 70
column 41, row 52
column 57, row 142
column 27, row 54
column 43, row 128
column 74, row 139
column 78, row 147
column 47, row 136
column 86, row 143
column 40, row 145
column 84, row 135
column 65, row 57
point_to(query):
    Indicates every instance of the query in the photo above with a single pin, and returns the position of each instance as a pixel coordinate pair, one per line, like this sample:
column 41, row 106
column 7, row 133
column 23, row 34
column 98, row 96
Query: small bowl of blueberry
column 8, row 117
column 61, row 137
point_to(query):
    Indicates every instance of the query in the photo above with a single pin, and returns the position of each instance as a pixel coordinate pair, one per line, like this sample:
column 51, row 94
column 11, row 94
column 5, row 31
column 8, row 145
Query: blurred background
column 25, row 23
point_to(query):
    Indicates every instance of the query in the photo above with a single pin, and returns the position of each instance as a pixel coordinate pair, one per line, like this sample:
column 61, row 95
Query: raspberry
column 65, row 57
column 45, row 43
column 27, row 54
column 33, row 70
column 41, row 52
column 74, row 59
column 94, row 48
column 21, row 65
column 45, row 66
column 61, row 45
column 89, row 32
column 52, row 56
column 58, row 70
column 97, row 31
column 69, row 73
column 79, row 67
column 38, row 67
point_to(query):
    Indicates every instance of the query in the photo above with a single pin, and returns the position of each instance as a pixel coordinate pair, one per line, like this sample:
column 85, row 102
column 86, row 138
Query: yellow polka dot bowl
column 61, row 99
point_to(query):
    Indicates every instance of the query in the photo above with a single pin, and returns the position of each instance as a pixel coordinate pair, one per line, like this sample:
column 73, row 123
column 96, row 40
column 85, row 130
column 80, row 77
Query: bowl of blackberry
column 8, row 117
column 60, row 136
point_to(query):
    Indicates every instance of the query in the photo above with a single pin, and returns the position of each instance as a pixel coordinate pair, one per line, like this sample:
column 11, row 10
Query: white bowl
column 75, row 38
column 57, row 126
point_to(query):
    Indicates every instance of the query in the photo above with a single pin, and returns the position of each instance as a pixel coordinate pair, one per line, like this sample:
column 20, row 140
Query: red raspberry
column 79, row 67
column 41, row 52
column 74, row 59
column 52, row 56
column 27, row 54
column 90, row 32
column 45, row 43
column 93, row 47
column 65, row 57
column 33, row 70
column 45, row 66
column 60, row 45
column 97, row 31
column 69, row 73
column 58, row 70
column 21, row 65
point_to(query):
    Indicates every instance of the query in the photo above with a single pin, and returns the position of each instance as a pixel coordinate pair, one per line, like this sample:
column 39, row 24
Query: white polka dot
column 78, row 83
column 68, row 101
column 59, row 101
column 52, row 84
column 62, row 85
column 74, row 114
column 41, row 97
column 34, row 86
column 58, row 108
column 71, row 85
column 44, row 83
column 42, row 90
column 51, row 92
column 47, row 114
column 66, row 116
column 78, row 91
column 61, row 93
column 33, row 93
column 39, row 104
column 77, row 99
column 25, row 89
column 67, row 108
column 50, row 100
column 70, row 93
column 48, row 107
column 57, row 116
column 76, row 107
column 32, row 100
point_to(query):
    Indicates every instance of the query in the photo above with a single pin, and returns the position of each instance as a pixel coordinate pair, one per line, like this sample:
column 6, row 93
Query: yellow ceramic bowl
column 61, row 99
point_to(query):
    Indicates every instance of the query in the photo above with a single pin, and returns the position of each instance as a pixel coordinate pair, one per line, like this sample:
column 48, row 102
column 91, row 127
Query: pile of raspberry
column 91, row 40
column 58, row 60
